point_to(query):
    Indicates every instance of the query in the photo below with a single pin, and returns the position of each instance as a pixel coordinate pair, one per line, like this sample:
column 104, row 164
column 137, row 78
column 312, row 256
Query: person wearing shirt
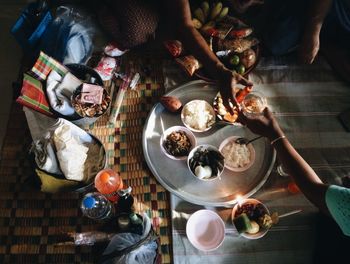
column 332, row 200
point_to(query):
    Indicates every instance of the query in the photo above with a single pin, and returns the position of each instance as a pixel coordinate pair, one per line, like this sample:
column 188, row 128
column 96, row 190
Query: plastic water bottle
column 96, row 206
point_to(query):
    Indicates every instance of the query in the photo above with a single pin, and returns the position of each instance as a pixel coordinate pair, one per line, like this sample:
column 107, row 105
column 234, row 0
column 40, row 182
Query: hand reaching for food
column 265, row 125
column 227, row 83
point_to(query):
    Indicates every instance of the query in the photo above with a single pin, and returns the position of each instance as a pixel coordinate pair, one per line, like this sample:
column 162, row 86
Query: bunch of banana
column 205, row 17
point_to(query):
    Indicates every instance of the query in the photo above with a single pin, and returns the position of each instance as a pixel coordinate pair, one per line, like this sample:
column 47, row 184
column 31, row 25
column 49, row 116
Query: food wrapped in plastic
column 189, row 63
column 174, row 47
column 133, row 248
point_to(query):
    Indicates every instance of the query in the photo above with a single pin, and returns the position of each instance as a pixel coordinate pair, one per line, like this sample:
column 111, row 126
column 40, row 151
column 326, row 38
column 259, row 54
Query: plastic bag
column 69, row 36
column 32, row 23
column 131, row 248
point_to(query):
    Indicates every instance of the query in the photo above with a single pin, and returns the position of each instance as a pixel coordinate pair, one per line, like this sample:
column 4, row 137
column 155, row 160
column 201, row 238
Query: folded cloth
column 39, row 124
column 33, row 96
column 45, row 156
column 59, row 92
column 71, row 153
column 51, row 184
column 45, row 64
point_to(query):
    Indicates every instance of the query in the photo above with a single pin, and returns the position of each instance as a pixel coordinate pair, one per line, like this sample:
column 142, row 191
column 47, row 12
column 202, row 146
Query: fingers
column 227, row 103
column 240, row 79
column 242, row 118
column 268, row 114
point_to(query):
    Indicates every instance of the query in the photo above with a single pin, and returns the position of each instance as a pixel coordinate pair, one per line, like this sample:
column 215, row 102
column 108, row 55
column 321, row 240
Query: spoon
column 244, row 141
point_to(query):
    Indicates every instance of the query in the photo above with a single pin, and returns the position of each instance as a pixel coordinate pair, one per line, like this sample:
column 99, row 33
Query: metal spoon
column 245, row 141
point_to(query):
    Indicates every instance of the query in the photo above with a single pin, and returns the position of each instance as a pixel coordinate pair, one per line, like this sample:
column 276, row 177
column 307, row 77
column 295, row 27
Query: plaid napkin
column 33, row 96
column 45, row 64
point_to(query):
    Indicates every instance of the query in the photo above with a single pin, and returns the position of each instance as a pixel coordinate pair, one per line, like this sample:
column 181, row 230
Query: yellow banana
column 196, row 23
column 222, row 14
column 198, row 13
column 205, row 9
column 208, row 25
column 215, row 11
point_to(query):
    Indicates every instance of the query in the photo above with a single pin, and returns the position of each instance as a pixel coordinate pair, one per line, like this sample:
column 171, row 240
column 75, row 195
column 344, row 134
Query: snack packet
column 174, row 47
column 189, row 63
column 105, row 68
column 91, row 93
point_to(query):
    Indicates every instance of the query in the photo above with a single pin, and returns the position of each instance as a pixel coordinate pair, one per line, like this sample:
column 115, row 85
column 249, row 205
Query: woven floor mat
column 31, row 221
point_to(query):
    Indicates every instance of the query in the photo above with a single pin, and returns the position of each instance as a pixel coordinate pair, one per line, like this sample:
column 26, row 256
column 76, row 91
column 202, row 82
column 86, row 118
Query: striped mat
column 31, row 221
column 307, row 100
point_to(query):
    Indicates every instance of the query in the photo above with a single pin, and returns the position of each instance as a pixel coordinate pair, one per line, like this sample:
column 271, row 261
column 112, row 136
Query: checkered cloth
column 31, row 222
column 33, row 96
column 45, row 64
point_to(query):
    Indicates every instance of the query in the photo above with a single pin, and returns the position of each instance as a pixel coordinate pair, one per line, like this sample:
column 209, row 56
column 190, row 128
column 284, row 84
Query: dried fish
column 236, row 45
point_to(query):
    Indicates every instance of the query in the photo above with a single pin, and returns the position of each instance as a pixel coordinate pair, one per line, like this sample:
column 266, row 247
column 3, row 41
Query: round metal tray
column 175, row 176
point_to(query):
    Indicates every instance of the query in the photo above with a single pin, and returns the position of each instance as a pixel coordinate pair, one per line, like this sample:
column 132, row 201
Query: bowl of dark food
column 177, row 142
column 205, row 162
column 251, row 218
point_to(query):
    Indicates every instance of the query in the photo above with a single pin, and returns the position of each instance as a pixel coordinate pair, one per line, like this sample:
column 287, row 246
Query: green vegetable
column 240, row 69
column 234, row 60
column 242, row 223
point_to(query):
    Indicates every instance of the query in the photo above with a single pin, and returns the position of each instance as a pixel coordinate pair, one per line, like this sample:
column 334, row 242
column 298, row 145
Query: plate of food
column 204, row 186
column 222, row 113
column 231, row 39
column 243, row 63
column 251, row 218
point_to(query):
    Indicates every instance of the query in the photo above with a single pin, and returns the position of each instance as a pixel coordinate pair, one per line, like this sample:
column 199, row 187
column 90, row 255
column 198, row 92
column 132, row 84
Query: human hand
column 240, row 6
column 227, row 83
column 265, row 124
column 310, row 46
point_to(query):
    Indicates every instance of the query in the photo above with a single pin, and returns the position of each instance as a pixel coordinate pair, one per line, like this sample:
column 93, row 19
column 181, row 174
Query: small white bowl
column 204, row 146
column 263, row 231
column 168, row 131
column 237, row 169
column 207, row 107
column 205, row 230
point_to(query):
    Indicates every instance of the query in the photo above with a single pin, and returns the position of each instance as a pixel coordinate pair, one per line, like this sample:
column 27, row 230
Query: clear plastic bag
column 131, row 248
column 69, row 37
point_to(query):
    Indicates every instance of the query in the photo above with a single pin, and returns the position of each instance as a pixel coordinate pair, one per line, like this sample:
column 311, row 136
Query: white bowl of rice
column 237, row 157
column 198, row 115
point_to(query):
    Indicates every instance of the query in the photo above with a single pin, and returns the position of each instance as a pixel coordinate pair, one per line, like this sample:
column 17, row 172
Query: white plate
column 205, row 230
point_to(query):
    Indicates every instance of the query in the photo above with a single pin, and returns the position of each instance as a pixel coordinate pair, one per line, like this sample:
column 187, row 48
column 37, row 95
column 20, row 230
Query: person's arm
column 304, row 176
column 310, row 43
column 179, row 11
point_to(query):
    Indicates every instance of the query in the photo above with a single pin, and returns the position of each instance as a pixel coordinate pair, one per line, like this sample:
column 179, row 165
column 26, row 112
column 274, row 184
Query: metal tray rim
column 229, row 203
